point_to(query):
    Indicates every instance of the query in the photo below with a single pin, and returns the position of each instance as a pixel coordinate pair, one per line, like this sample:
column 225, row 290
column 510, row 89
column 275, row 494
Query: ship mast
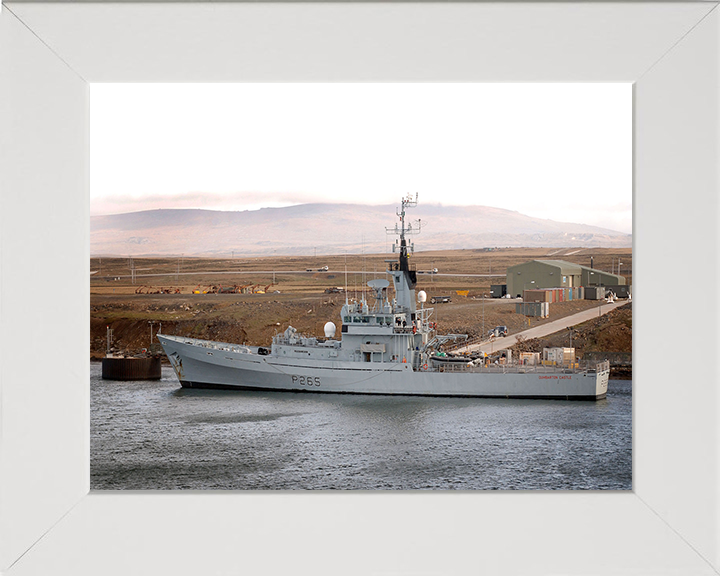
column 406, row 279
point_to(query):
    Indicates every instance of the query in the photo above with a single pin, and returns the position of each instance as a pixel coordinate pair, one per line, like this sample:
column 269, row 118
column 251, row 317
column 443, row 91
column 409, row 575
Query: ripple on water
column 156, row 435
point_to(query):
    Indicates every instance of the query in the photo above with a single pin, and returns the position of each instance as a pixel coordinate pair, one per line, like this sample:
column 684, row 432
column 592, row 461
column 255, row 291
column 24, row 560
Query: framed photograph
column 260, row 284
column 50, row 53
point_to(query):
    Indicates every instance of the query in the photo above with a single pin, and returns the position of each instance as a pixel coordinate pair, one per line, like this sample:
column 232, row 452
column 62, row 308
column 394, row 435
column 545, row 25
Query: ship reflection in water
column 156, row 435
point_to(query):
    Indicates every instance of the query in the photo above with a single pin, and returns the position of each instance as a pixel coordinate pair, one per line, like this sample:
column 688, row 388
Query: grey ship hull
column 204, row 364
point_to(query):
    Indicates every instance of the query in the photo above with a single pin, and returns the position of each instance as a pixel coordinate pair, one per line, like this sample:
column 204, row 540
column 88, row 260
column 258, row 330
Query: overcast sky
column 558, row 151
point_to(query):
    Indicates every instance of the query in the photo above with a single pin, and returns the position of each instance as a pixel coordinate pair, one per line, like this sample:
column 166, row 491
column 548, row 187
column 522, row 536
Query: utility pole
column 109, row 340
column 151, row 322
column 483, row 331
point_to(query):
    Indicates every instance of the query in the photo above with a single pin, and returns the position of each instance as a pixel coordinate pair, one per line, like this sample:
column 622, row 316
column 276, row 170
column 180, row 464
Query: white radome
column 330, row 329
column 422, row 297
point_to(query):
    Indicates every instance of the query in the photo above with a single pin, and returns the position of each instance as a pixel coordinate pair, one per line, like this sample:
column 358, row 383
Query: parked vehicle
column 440, row 300
column 499, row 331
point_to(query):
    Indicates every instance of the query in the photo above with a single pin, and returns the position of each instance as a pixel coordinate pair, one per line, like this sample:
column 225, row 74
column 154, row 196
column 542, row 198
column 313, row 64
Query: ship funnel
column 422, row 297
column 329, row 330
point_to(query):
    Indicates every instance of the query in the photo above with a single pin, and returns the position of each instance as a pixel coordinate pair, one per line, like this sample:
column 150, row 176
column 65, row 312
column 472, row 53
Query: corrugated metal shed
column 542, row 274
column 565, row 267
column 539, row 274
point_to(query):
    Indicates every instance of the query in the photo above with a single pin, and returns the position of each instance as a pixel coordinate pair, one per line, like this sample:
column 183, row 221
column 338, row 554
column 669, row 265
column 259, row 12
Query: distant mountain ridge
column 331, row 228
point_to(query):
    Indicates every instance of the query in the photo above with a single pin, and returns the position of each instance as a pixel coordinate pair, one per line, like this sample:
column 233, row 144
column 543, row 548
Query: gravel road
column 544, row 329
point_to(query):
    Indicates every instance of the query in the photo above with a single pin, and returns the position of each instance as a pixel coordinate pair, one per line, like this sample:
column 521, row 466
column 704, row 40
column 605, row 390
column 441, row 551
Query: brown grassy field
column 299, row 298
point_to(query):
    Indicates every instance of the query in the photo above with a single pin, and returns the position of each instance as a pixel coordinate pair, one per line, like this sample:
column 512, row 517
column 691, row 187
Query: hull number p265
column 306, row 380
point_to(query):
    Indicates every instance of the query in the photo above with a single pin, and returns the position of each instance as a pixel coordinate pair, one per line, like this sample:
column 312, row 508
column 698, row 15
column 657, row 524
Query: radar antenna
column 414, row 227
column 378, row 285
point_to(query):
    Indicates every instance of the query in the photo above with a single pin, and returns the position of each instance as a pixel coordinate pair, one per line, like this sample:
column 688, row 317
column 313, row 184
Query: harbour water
column 155, row 435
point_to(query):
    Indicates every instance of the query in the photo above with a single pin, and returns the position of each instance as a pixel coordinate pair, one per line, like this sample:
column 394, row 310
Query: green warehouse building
column 556, row 274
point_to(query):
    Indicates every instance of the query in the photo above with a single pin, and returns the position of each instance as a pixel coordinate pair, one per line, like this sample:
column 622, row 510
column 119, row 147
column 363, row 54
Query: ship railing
column 603, row 366
column 402, row 330
column 228, row 348
column 300, row 342
column 505, row 368
column 220, row 346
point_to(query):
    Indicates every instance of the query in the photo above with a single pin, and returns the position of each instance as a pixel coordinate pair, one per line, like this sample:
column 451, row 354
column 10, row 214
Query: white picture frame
column 50, row 523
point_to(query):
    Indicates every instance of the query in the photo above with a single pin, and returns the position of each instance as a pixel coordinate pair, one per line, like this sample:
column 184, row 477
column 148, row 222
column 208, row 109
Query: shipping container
column 535, row 309
column 594, row 292
column 498, row 290
column 537, row 295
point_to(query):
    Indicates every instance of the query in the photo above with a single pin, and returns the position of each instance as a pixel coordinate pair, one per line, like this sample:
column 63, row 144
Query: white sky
column 558, row 151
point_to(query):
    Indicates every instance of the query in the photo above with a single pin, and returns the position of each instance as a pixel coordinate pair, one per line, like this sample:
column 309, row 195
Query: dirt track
column 542, row 330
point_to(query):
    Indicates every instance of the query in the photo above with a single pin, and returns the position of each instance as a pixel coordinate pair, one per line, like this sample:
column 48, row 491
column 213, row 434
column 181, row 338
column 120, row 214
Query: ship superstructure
column 385, row 347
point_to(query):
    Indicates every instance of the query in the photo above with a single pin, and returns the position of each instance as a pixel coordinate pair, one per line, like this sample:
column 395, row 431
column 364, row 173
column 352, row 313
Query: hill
column 331, row 228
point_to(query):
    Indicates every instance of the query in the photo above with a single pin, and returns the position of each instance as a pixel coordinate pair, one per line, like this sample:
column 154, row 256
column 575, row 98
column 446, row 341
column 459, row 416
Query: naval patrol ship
column 385, row 347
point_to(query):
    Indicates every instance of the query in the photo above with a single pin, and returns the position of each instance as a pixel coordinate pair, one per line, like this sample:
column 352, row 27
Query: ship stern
column 601, row 380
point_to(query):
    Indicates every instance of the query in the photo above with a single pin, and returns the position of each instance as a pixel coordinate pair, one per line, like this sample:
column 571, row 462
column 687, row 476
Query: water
column 157, row 435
